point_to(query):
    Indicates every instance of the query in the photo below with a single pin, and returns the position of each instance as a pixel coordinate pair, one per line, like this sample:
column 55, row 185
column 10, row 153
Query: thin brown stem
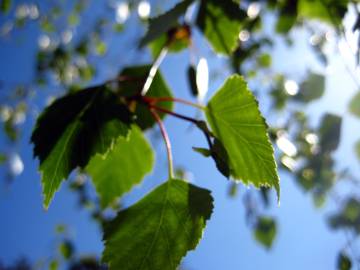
column 173, row 99
column 186, row 118
column 166, row 140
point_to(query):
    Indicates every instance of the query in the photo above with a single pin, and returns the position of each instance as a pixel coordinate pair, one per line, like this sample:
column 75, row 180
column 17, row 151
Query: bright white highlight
column 253, row 10
column 202, row 78
column 291, row 87
column 144, row 9
column 122, row 12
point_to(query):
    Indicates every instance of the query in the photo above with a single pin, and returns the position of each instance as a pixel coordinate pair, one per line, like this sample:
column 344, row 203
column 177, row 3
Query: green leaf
column 330, row 131
column 73, row 129
column 123, row 168
column 348, row 217
column 311, row 89
column 343, row 262
column 5, row 6
column 235, row 119
column 156, row 232
column 357, row 149
column 221, row 21
column 265, row 231
column 161, row 24
column 203, row 151
column 66, row 249
column 354, row 105
column 158, row 88
column 330, row 11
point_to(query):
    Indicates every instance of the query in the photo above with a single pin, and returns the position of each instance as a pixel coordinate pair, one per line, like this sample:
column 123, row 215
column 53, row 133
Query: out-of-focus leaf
column 172, row 219
column 161, row 24
column 264, row 60
column 158, row 88
column 5, row 6
column 312, row 88
column 348, row 217
column 124, row 166
column 329, row 132
column 221, row 21
column 73, row 129
column 175, row 39
column 66, row 249
column 343, row 262
column 265, row 231
column 3, row 158
column 54, row 265
column 357, row 149
column 235, row 119
column 330, row 11
column 354, row 105
column 287, row 16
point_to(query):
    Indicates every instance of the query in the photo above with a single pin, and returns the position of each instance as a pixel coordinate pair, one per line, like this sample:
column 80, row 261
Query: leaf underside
column 124, row 166
column 221, row 21
column 157, row 231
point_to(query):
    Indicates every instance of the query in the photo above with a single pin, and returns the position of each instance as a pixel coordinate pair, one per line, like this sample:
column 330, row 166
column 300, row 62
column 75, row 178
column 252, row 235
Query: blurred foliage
column 70, row 56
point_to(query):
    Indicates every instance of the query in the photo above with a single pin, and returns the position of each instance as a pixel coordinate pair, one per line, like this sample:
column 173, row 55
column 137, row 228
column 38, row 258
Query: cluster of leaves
column 100, row 130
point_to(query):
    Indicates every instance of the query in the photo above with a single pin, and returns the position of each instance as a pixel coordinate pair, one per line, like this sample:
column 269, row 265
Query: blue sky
column 303, row 240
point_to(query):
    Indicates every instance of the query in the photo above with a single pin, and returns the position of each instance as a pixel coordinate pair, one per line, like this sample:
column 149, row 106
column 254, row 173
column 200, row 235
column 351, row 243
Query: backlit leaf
column 220, row 21
column 354, row 106
column 235, row 119
column 124, row 166
column 157, row 232
column 73, row 129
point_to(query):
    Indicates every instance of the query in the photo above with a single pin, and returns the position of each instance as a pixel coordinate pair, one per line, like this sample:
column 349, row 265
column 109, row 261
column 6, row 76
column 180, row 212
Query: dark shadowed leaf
column 235, row 119
column 161, row 24
column 265, row 231
column 330, row 131
column 348, row 217
column 73, row 129
column 221, row 21
column 343, row 262
column 312, row 88
column 5, row 6
column 124, row 166
column 158, row 88
column 157, row 232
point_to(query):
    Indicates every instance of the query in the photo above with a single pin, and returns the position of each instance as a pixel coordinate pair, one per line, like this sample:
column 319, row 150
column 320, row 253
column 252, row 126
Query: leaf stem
column 183, row 117
column 174, row 99
column 166, row 140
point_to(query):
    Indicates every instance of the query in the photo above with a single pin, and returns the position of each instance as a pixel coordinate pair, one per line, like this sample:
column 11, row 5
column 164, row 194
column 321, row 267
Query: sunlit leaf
column 330, row 11
column 73, row 129
column 124, row 166
column 220, row 21
column 354, row 105
column 157, row 232
column 236, row 121
column 265, row 231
